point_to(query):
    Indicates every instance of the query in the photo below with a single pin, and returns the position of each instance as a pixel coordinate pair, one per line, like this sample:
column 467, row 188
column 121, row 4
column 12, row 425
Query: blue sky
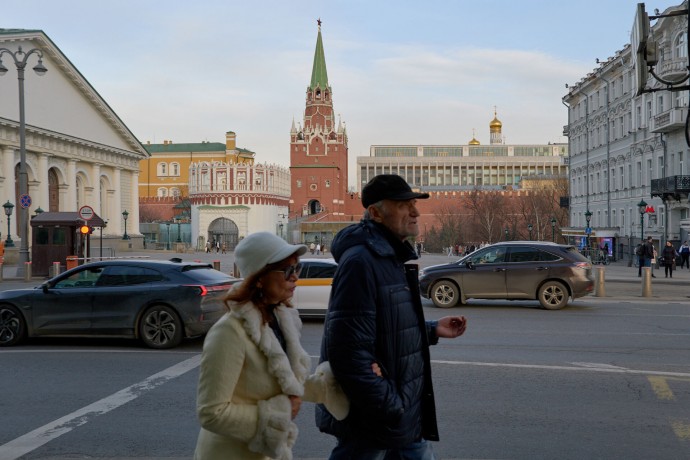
column 402, row 72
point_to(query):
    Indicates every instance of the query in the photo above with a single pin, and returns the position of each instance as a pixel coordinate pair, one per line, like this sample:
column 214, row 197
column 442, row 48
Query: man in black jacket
column 375, row 335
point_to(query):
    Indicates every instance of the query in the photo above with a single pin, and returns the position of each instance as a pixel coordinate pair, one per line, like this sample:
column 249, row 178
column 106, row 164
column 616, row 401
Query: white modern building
column 496, row 166
column 626, row 149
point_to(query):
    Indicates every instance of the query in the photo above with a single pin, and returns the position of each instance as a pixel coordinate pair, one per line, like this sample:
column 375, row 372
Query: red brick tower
column 318, row 149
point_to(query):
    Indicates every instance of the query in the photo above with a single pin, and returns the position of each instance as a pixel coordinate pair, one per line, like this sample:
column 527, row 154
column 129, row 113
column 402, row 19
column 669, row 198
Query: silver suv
column 514, row 270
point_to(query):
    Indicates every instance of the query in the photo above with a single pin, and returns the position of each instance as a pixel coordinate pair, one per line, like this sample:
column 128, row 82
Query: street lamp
column 39, row 211
column 168, row 241
column 553, row 229
column 529, row 227
column 20, row 59
column 588, row 217
column 280, row 226
column 506, row 233
column 177, row 219
column 642, row 207
column 8, row 212
column 125, row 215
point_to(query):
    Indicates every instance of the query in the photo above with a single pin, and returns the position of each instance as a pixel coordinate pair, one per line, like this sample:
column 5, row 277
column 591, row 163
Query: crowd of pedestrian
column 461, row 249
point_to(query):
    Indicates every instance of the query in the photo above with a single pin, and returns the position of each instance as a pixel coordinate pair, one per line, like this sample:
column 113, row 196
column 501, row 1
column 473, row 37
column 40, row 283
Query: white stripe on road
column 40, row 436
column 588, row 368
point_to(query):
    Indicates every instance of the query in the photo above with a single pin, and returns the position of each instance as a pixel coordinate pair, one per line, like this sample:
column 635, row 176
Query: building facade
column 78, row 151
column 628, row 149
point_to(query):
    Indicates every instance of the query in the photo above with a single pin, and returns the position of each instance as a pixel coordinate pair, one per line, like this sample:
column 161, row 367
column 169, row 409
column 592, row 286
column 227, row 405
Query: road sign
column 588, row 230
column 25, row 201
column 86, row 212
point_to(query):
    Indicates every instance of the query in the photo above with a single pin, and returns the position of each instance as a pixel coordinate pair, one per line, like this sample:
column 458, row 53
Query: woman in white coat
column 253, row 367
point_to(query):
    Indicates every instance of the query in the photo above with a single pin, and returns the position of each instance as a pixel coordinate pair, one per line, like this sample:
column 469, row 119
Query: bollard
column 216, row 265
column 646, row 281
column 27, row 271
column 72, row 262
column 56, row 269
column 600, row 286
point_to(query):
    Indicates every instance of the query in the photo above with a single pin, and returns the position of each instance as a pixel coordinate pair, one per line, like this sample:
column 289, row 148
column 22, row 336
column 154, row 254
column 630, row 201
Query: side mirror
column 44, row 287
column 469, row 264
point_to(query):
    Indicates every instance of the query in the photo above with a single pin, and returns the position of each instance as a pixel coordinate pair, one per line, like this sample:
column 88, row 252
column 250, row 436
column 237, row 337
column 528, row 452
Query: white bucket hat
column 259, row 249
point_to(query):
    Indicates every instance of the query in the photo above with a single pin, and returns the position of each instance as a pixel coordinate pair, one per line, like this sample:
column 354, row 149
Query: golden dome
column 474, row 142
column 495, row 124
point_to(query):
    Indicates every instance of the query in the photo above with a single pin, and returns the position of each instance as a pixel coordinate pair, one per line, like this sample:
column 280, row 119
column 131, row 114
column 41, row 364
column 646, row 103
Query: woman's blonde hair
column 248, row 291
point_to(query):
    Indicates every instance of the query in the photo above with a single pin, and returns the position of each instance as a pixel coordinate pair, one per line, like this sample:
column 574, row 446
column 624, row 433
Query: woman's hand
column 296, row 402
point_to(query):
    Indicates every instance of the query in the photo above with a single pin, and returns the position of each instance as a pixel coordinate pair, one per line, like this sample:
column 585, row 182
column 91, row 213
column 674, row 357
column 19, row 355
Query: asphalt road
column 607, row 377
column 600, row 379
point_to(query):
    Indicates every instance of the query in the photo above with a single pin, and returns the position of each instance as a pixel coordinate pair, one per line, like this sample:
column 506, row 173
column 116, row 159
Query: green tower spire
column 319, row 75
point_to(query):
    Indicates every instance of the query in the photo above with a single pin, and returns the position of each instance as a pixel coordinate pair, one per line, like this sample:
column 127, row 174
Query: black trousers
column 684, row 259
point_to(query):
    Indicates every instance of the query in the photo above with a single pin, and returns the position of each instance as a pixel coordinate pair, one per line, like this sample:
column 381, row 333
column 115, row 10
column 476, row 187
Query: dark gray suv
column 515, row 270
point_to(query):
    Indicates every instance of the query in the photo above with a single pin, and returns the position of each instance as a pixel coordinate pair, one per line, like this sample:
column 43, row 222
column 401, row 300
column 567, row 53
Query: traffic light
column 85, row 230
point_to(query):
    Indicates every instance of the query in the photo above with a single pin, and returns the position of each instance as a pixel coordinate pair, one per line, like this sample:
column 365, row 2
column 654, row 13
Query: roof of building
column 190, row 147
column 319, row 75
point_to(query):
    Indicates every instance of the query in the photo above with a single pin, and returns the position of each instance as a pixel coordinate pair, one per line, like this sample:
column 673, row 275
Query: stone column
column 72, row 184
column 42, row 199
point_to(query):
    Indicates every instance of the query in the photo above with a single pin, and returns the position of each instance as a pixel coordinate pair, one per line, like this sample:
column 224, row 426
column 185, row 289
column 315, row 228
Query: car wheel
column 445, row 294
column 12, row 326
column 160, row 327
column 553, row 295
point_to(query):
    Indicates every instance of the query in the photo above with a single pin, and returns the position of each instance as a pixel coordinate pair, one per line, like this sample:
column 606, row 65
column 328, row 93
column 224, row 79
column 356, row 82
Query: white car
column 314, row 287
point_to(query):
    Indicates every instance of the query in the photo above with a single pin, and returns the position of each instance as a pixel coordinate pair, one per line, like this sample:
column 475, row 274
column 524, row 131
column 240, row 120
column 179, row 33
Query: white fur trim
column 321, row 387
column 275, row 432
column 290, row 370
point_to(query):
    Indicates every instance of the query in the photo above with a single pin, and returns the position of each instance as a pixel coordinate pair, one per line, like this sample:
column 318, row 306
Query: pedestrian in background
column 375, row 336
column 650, row 255
column 669, row 257
column 685, row 255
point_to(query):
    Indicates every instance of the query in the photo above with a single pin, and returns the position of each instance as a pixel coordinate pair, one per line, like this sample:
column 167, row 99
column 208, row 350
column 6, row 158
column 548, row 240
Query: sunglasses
column 290, row 270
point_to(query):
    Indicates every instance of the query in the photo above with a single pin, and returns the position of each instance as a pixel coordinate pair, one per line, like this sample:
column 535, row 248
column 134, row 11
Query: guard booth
column 56, row 235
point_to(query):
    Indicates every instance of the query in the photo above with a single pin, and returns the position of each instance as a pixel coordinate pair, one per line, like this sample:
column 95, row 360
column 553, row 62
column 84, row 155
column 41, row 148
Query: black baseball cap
column 388, row 187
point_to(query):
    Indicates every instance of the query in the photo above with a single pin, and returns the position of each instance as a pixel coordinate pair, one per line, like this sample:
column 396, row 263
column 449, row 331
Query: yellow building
column 166, row 172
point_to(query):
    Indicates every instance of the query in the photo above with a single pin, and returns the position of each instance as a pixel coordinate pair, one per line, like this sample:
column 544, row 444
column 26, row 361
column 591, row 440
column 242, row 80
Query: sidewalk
column 621, row 281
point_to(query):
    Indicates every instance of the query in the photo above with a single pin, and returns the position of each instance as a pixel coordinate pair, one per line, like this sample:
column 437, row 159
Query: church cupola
column 495, row 128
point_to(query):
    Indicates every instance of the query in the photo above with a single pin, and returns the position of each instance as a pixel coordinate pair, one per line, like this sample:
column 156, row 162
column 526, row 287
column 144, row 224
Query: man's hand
column 450, row 327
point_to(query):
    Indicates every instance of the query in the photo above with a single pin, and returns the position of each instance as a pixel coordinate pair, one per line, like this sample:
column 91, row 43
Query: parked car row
column 162, row 302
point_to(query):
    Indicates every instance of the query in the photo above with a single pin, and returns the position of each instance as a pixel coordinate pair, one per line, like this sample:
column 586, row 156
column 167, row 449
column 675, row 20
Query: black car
column 158, row 302
column 548, row 272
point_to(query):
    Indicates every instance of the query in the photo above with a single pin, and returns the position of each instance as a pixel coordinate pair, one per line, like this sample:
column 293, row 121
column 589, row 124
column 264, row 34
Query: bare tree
column 490, row 214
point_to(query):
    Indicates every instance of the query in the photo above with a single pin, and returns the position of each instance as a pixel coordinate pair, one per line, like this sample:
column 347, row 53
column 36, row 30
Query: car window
column 123, row 275
column 495, row 255
column 82, row 278
column 549, row 257
column 206, row 275
column 318, row 270
column 524, row 254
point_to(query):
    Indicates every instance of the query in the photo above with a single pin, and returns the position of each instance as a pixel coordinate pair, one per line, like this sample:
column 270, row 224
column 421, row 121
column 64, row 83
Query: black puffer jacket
column 375, row 315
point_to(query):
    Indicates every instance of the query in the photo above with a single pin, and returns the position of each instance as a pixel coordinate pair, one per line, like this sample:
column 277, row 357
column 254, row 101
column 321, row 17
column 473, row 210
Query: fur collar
column 289, row 369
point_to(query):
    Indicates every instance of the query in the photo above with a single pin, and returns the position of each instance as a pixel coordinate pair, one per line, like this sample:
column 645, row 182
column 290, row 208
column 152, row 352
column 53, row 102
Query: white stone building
column 627, row 148
column 78, row 151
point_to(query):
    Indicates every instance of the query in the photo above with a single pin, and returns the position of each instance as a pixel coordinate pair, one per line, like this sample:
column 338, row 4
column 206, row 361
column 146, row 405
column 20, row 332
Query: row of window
column 163, row 169
column 164, row 191
column 635, row 178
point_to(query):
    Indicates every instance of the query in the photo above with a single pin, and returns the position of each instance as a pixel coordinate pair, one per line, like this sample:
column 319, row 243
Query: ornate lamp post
column 20, row 60
column 553, row 229
column 177, row 219
column 38, row 211
column 280, row 226
column 529, row 227
column 168, row 241
column 8, row 212
column 642, row 207
column 588, row 217
column 506, row 233
column 125, row 215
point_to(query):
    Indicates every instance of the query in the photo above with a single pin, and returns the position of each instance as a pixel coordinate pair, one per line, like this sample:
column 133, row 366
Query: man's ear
column 375, row 213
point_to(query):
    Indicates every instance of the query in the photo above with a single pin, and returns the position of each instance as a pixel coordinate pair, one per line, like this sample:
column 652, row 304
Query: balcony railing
column 670, row 120
column 675, row 187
